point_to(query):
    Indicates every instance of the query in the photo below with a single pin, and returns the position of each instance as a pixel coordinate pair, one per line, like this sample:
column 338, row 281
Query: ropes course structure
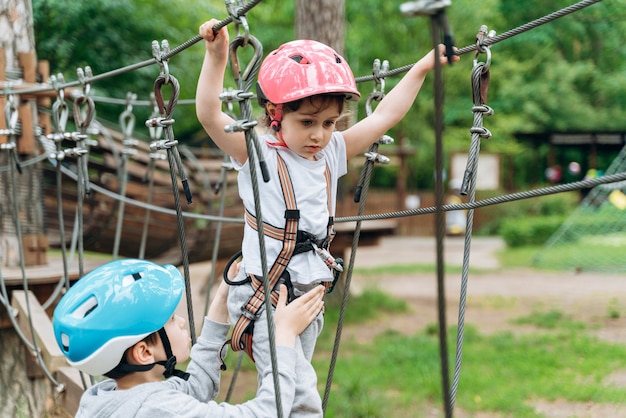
column 164, row 148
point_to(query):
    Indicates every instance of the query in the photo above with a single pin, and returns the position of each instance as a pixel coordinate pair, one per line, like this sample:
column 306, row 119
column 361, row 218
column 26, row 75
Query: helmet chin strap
column 275, row 125
column 169, row 364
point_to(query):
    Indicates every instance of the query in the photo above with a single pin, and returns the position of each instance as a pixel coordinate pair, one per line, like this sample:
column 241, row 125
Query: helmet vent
column 85, row 308
column 299, row 59
column 131, row 278
column 65, row 341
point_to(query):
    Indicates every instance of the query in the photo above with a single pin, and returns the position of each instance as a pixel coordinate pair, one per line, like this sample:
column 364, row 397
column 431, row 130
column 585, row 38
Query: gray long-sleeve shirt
column 176, row 397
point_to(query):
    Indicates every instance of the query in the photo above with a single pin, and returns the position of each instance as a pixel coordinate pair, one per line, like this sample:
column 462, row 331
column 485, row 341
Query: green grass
column 500, row 373
column 590, row 254
column 412, row 269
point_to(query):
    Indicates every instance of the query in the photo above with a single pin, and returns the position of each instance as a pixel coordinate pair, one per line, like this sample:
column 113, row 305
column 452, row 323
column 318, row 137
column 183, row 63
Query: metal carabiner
column 84, row 77
column 127, row 118
column 155, row 131
column 81, row 123
column 376, row 73
column 482, row 48
column 233, row 9
column 59, row 107
column 11, row 114
column 158, row 84
column 255, row 61
column 158, row 53
column 377, row 93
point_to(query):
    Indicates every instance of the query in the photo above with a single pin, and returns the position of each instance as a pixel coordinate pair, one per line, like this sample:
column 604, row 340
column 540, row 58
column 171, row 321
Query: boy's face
column 178, row 334
column 307, row 130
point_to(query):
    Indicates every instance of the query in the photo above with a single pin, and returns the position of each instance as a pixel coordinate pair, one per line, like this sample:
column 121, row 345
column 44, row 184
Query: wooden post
column 3, row 77
column 43, row 69
column 26, row 142
column 18, row 67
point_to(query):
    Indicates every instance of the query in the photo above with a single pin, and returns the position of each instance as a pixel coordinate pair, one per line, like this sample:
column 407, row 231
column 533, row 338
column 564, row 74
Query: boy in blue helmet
column 119, row 321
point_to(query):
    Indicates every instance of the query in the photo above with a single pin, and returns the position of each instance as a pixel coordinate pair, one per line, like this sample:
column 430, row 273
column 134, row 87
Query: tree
column 112, row 34
column 323, row 21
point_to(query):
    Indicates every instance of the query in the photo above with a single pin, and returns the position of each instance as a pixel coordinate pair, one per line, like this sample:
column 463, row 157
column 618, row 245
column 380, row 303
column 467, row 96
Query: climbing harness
column 294, row 242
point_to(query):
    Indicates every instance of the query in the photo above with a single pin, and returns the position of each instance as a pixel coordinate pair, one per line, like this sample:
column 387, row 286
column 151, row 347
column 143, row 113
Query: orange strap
column 242, row 331
column 241, row 338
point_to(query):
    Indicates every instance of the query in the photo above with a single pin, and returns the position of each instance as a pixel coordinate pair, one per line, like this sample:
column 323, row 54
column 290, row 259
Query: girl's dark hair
column 118, row 371
column 322, row 101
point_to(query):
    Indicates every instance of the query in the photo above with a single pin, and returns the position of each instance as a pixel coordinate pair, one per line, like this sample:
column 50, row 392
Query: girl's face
column 307, row 131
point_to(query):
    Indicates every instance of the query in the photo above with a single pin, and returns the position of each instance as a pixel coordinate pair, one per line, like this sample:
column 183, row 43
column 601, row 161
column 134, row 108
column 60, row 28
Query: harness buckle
column 327, row 257
column 292, row 214
column 250, row 315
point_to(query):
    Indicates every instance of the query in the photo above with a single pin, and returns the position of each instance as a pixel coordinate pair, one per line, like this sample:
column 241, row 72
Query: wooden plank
column 42, row 328
column 69, row 399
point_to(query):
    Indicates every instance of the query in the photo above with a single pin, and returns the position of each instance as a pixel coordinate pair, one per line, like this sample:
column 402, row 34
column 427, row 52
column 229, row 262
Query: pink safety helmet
column 304, row 68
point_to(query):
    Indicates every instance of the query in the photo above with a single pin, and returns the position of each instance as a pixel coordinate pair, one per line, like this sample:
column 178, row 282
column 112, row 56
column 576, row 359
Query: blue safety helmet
column 113, row 307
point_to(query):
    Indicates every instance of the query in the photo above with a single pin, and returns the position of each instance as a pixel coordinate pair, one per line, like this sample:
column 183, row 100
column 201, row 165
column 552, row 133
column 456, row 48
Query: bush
column 560, row 204
column 529, row 230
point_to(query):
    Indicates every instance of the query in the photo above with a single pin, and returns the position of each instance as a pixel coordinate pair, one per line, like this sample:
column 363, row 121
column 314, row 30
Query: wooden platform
column 42, row 280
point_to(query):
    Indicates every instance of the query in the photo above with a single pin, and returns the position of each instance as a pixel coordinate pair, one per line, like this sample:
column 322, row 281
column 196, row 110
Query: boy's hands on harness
column 292, row 319
column 218, row 311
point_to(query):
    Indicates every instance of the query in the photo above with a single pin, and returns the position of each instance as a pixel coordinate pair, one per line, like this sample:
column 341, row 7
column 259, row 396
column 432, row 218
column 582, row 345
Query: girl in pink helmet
column 302, row 87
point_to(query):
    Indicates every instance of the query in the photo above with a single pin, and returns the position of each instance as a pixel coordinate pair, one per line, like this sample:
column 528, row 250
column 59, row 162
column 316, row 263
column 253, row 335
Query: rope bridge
column 164, row 146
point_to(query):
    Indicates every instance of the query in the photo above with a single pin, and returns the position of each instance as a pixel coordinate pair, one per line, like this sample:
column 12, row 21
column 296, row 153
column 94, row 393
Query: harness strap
column 278, row 233
column 242, row 331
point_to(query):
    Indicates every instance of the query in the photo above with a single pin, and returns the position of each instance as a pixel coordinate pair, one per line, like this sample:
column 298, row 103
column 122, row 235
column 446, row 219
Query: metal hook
column 158, row 84
column 155, row 131
column 233, row 9
column 84, row 77
column 481, row 36
column 127, row 118
column 158, row 53
column 254, row 61
column 59, row 114
column 83, row 124
column 56, row 82
column 11, row 114
column 375, row 95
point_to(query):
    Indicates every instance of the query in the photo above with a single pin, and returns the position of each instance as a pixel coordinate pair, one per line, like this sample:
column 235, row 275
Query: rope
column 244, row 84
column 11, row 313
column 237, row 15
column 360, row 196
column 127, row 123
column 545, row 191
column 158, row 59
column 169, row 143
column 155, row 136
column 491, row 41
column 436, row 28
column 479, row 75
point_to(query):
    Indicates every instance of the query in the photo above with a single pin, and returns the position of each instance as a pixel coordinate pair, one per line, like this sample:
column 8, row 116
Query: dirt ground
column 495, row 295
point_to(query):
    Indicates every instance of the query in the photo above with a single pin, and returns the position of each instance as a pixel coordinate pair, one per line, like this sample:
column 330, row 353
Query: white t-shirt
column 309, row 185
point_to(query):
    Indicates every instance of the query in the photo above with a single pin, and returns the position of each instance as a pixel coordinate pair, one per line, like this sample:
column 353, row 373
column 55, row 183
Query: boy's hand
column 292, row 319
column 218, row 311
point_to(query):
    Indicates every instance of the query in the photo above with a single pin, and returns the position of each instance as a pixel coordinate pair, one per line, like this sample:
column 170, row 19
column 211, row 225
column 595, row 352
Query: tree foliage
column 565, row 75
